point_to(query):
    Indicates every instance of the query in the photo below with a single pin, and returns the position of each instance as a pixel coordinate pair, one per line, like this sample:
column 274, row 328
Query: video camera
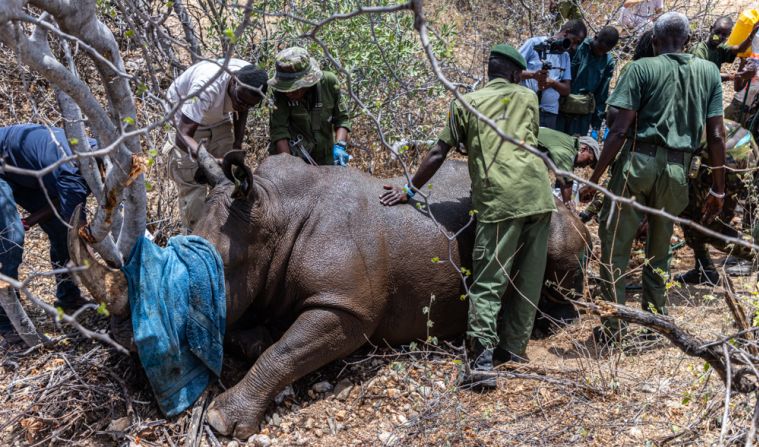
column 551, row 46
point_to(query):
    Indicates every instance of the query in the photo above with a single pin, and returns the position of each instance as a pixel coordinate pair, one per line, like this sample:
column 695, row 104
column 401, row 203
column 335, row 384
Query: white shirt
column 637, row 13
column 562, row 71
column 212, row 106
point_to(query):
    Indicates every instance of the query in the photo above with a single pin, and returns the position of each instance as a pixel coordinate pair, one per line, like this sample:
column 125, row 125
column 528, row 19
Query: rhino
column 310, row 249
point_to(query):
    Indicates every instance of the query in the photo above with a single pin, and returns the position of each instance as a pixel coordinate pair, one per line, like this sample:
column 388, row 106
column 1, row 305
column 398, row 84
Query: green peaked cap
column 509, row 53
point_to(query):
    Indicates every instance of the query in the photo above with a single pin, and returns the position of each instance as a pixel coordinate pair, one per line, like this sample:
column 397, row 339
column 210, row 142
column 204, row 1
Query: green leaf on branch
column 229, row 33
column 435, row 260
column 73, row 141
column 128, row 120
column 102, row 310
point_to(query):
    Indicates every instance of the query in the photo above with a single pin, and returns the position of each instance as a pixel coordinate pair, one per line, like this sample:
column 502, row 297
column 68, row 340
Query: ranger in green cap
column 672, row 98
column 568, row 152
column 308, row 120
column 512, row 196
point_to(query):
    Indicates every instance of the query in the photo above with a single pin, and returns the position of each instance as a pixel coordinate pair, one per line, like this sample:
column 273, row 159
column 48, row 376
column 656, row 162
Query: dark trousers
column 549, row 120
column 12, row 239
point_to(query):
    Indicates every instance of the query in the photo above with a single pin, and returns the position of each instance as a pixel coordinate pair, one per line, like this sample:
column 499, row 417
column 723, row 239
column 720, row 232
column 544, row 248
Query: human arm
column 185, row 135
column 282, row 146
column 431, row 163
column 746, row 71
column 566, row 191
column 623, row 120
column 563, row 87
column 279, row 125
column 42, row 215
column 715, row 140
column 746, row 44
column 239, row 121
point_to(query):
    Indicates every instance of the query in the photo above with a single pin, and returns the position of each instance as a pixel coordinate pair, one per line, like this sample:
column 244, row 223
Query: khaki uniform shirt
column 313, row 119
column 674, row 95
column 507, row 182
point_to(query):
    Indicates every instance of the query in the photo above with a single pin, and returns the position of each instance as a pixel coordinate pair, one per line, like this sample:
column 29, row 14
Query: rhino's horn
column 106, row 285
column 210, row 167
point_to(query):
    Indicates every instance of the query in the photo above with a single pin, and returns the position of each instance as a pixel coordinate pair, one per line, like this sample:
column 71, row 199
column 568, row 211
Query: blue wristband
column 409, row 192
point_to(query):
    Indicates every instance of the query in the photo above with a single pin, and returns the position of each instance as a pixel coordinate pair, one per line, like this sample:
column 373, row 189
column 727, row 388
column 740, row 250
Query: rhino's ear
column 239, row 173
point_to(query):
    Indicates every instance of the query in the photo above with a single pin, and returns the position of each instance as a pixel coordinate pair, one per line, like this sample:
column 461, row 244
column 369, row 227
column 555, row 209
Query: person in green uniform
column 592, row 70
column 512, row 197
column 308, row 120
column 716, row 50
column 672, row 98
column 741, row 157
column 568, row 152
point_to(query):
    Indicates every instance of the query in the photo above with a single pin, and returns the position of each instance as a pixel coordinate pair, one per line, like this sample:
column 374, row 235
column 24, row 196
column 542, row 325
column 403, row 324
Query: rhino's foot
column 229, row 417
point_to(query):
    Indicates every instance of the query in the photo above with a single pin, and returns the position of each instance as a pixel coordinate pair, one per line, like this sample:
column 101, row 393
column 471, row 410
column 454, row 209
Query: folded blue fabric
column 178, row 304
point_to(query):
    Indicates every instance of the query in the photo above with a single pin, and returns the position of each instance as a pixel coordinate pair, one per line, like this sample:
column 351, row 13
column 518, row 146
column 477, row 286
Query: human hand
column 25, row 224
column 712, row 207
column 393, row 195
column 340, row 155
column 543, row 79
column 586, row 194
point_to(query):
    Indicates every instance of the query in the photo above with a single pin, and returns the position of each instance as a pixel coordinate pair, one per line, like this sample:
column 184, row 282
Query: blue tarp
column 178, row 304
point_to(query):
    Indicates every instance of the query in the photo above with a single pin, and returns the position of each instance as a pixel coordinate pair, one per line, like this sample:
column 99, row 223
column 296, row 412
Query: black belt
column 673, row 155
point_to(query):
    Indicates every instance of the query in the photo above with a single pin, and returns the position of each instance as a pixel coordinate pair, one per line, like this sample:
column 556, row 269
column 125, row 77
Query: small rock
column 393, row 393
column 340, row 415
column 440, row 385
column 387, row 438
column 332, row 425
column 233, row 443
column 309, row 423
column 120, row 424
column 343, row 389
column 275, row 420
column 401, row 419
column 322, row 387
column 636, row 432
column 259, row 441
column 425, row 391
column 288, row 391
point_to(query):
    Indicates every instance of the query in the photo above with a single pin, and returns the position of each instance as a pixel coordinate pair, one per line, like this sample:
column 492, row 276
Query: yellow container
column 742, row 29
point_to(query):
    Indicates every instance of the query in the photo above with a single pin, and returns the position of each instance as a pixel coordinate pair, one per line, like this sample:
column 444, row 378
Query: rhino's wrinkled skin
column 312, row 250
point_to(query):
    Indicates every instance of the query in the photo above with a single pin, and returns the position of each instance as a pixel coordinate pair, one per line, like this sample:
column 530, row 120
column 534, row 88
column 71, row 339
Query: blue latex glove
column 594, row 134
column 340, row 155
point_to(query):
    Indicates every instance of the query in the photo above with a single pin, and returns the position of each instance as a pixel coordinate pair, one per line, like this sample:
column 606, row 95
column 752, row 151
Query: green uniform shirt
column 314, row 118
column 720, row 55
column 507, row 181
column 562, row 148
column 673, row 94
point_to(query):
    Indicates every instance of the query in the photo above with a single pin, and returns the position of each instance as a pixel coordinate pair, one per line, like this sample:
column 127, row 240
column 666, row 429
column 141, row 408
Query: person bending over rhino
column 512, row 197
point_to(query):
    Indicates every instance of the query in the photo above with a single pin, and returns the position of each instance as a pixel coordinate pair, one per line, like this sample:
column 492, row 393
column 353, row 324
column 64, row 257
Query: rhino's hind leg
column 318, row 336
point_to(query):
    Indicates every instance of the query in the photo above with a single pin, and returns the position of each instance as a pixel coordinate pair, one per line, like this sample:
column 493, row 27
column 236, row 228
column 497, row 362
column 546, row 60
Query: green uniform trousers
column 654, row 182
column 508, row 255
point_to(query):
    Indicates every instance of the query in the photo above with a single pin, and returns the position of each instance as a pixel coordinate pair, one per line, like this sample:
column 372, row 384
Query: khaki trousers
column 182, row 169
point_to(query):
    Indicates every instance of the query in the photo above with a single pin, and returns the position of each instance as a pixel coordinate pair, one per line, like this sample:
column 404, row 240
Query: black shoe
column 480, row 375
column 698, row 276
column 740, row 267
column 71, row 304
column 501, row 356
column 585, row 216
column 603, row 339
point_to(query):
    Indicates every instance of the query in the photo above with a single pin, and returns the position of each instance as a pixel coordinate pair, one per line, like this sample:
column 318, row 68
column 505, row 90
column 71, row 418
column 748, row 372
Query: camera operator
column 549, row 67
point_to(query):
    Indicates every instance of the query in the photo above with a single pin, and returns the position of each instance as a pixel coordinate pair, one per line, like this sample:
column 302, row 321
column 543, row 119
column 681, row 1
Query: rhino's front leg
column 318, row 336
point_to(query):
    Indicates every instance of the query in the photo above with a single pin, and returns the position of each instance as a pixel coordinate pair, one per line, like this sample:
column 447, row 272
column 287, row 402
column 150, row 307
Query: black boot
column 501, row 356
column 703, row 273
column 480, row 369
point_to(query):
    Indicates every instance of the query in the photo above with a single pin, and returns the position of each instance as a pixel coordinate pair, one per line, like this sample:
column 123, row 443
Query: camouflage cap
column 295, row 69
column 593, row 145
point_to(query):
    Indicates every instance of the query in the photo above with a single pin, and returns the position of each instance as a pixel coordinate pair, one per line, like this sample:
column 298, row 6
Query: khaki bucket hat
column 295, row 69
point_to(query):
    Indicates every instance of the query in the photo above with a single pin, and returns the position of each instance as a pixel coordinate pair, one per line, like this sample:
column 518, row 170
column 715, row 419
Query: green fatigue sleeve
column 454, row 133
column 602, row 94
column 627, row 94
column 340, row 113
column 279, row 119
column 714, row 90
column 700, row 51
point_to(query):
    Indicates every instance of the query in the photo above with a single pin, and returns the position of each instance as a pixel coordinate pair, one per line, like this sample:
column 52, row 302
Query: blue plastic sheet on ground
column 178, row 304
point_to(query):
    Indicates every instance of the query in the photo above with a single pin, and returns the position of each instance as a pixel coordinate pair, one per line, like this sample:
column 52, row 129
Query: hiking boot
column 480, row 369
column 501, row 356
column 698, row 276
column 70, row 305
column 739, row 267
